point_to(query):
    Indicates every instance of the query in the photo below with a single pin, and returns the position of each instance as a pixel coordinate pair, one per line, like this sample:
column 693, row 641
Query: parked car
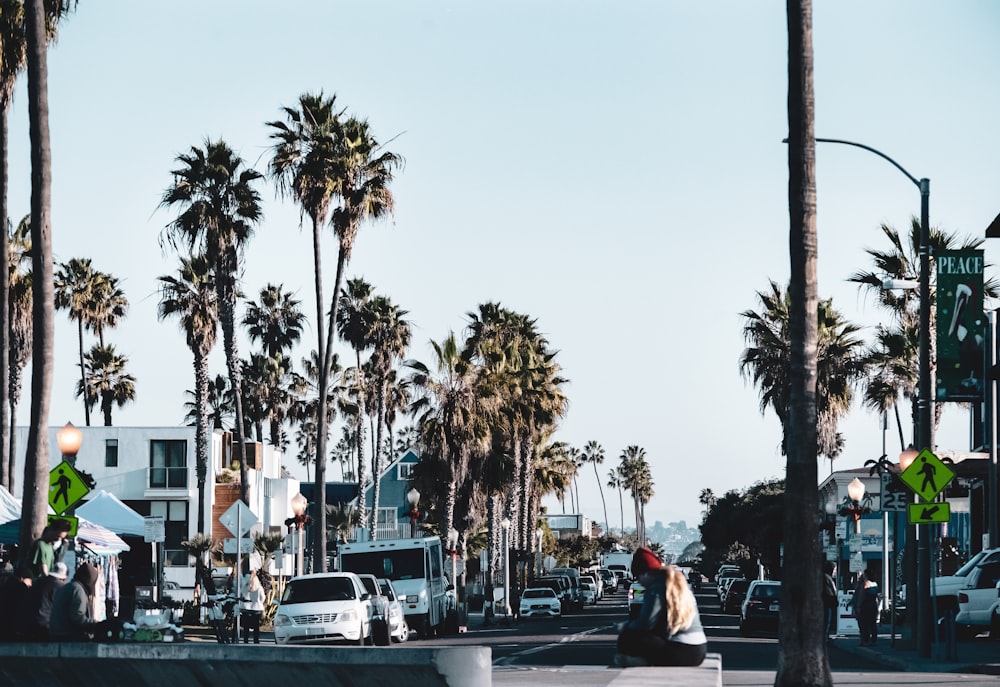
column 978, row 599
column 622, row 573
column 589, row 591
column 380, row 609
column 561, row 585
column 540, row 601
column 610, row 580
column 574, row 579
column 724, row 585
column 760, row 607
column 598, row 583
column 399, row 630
column 735, row 594
column 635, row 592
column 322, row 608
column 722, row 581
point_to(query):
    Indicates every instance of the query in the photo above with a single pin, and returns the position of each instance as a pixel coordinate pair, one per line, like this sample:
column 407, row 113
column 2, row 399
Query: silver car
column 398, row 629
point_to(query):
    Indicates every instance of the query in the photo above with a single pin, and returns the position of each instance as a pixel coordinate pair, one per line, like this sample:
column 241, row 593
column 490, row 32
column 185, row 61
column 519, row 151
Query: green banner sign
column 961, row 325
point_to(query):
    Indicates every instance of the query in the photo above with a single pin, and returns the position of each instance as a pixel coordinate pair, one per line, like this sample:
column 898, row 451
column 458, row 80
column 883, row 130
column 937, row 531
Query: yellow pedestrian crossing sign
column 66, row 487
column 927, row 513
column 927, row 475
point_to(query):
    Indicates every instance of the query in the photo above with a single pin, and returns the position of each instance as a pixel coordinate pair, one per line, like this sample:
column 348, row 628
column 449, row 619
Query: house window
column 167, row 464
column 110, row 453
column 404, row 471
column 175, row 529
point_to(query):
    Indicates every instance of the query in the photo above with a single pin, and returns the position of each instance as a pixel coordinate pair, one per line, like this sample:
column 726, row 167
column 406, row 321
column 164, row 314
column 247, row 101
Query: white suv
column 977, row 601
column 322, row 608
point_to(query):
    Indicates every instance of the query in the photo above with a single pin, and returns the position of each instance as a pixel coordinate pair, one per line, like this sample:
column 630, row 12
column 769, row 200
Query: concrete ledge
column 708, row 673
column 169, row 665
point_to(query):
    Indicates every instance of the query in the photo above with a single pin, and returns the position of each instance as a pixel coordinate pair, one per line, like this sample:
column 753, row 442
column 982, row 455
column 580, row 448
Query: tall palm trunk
column 621, row 507
column 6, row 457
column 326, row 365
column 227, row 317
column 36, row 463
column 201, row 433
column 802, row 658
column 377, row 457
column 604, row 504
column 83, row 373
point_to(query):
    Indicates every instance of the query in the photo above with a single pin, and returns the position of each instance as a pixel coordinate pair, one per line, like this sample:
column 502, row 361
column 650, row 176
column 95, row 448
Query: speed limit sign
column 894, row 496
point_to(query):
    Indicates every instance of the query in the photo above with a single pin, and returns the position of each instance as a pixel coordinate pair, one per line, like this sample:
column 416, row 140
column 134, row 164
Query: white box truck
column 416, row 569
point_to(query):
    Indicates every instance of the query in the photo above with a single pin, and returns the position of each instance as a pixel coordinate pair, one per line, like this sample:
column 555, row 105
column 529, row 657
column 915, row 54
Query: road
column 576, row 651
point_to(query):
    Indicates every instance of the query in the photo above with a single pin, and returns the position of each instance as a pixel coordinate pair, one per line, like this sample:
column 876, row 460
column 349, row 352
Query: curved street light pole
column 924, row 430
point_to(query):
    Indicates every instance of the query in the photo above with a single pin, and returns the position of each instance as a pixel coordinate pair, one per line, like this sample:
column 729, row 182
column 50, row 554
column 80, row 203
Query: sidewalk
column 980, row 655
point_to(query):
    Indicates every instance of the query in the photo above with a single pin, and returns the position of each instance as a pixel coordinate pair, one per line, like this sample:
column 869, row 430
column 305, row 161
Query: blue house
column 393, row 517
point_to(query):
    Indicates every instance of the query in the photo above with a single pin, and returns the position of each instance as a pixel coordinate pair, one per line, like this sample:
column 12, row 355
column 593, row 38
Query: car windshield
column 387, row 590
column 970, row 565
column 538, row 594
column 318, row 589
column 766, row 591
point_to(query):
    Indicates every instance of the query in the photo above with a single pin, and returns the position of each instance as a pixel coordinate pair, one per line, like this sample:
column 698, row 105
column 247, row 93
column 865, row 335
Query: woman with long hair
column 668, row 630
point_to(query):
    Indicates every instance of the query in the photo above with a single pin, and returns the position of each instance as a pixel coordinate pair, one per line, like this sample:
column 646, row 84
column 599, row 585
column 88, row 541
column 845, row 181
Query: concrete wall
column 174, row 665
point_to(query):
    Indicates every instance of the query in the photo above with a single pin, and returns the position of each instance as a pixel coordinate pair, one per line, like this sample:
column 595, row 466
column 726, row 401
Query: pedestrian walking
column 47, row 549
column 253, row 608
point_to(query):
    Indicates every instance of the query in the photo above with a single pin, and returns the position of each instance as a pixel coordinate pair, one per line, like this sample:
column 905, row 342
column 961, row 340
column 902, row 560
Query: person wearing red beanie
column 668, row 630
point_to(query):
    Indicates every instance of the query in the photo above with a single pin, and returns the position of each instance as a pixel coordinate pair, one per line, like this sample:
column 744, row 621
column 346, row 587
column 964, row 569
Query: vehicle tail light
column 963, row 598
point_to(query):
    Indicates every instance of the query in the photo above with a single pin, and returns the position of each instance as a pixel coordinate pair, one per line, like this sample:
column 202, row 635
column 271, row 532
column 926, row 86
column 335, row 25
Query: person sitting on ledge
column 668, row 630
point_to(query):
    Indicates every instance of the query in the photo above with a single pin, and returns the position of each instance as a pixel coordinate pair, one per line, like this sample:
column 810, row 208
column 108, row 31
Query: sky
column 614, row 170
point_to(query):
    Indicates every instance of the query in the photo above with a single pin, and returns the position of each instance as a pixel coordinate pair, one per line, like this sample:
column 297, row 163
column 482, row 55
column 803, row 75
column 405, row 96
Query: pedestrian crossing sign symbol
column 66, row 487
column 927, row 475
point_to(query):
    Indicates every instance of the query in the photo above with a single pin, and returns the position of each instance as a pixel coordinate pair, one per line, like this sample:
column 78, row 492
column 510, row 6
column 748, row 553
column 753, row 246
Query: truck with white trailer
column 416, row 569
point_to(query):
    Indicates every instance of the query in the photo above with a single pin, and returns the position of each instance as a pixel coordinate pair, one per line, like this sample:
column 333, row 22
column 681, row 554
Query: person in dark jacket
column 72, row 618
column 668, row 630
column 36, row 611
column 14, row 589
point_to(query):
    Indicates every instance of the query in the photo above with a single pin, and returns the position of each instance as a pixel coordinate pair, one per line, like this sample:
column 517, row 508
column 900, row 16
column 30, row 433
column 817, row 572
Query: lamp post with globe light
column 300, row 519
column 413, row 498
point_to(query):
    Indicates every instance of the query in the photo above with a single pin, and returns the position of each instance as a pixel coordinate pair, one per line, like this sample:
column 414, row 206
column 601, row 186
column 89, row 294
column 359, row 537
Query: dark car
column 760, row 607
column 735, row 594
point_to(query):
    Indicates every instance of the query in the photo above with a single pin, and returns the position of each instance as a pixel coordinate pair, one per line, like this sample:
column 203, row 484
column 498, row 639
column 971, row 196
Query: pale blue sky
column 613, row 169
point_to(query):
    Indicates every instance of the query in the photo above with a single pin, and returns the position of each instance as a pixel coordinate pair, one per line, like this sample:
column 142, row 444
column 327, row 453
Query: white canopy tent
column 105, row 509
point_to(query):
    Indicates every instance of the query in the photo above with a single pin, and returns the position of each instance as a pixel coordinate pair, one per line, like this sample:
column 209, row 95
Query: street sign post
column 928, row 513
column 894, row 497
column 927, row 475
column 238, row 518
column 66, row 487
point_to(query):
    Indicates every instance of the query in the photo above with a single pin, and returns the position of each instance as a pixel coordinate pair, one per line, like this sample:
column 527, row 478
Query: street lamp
column 69, row 439
column 299, row 504
column 413, row 498
column 856, row 503
column 505, row 525
column 925, row 430
column 540, row 532
column 907, row 457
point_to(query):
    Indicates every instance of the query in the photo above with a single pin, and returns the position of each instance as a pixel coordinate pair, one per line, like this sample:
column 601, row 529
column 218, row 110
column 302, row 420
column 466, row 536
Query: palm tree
column 895, row 352
column 36, row 463
column 637, row 479
column 354, row 324
column 593, row 453
column 451, row 414
column 219, row 405
column 842, row 362
column 615, row 482
column 275, row 322
column 390, row 338
column 20, row 322
column 75, row 286
column 192, row 298
column 802, row 658
column 306, row 165
column 107, row 379
column 219, row 210
column 14, row 43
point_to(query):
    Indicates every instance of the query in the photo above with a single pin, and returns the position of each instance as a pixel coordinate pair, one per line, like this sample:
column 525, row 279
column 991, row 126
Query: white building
column 153, row 471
